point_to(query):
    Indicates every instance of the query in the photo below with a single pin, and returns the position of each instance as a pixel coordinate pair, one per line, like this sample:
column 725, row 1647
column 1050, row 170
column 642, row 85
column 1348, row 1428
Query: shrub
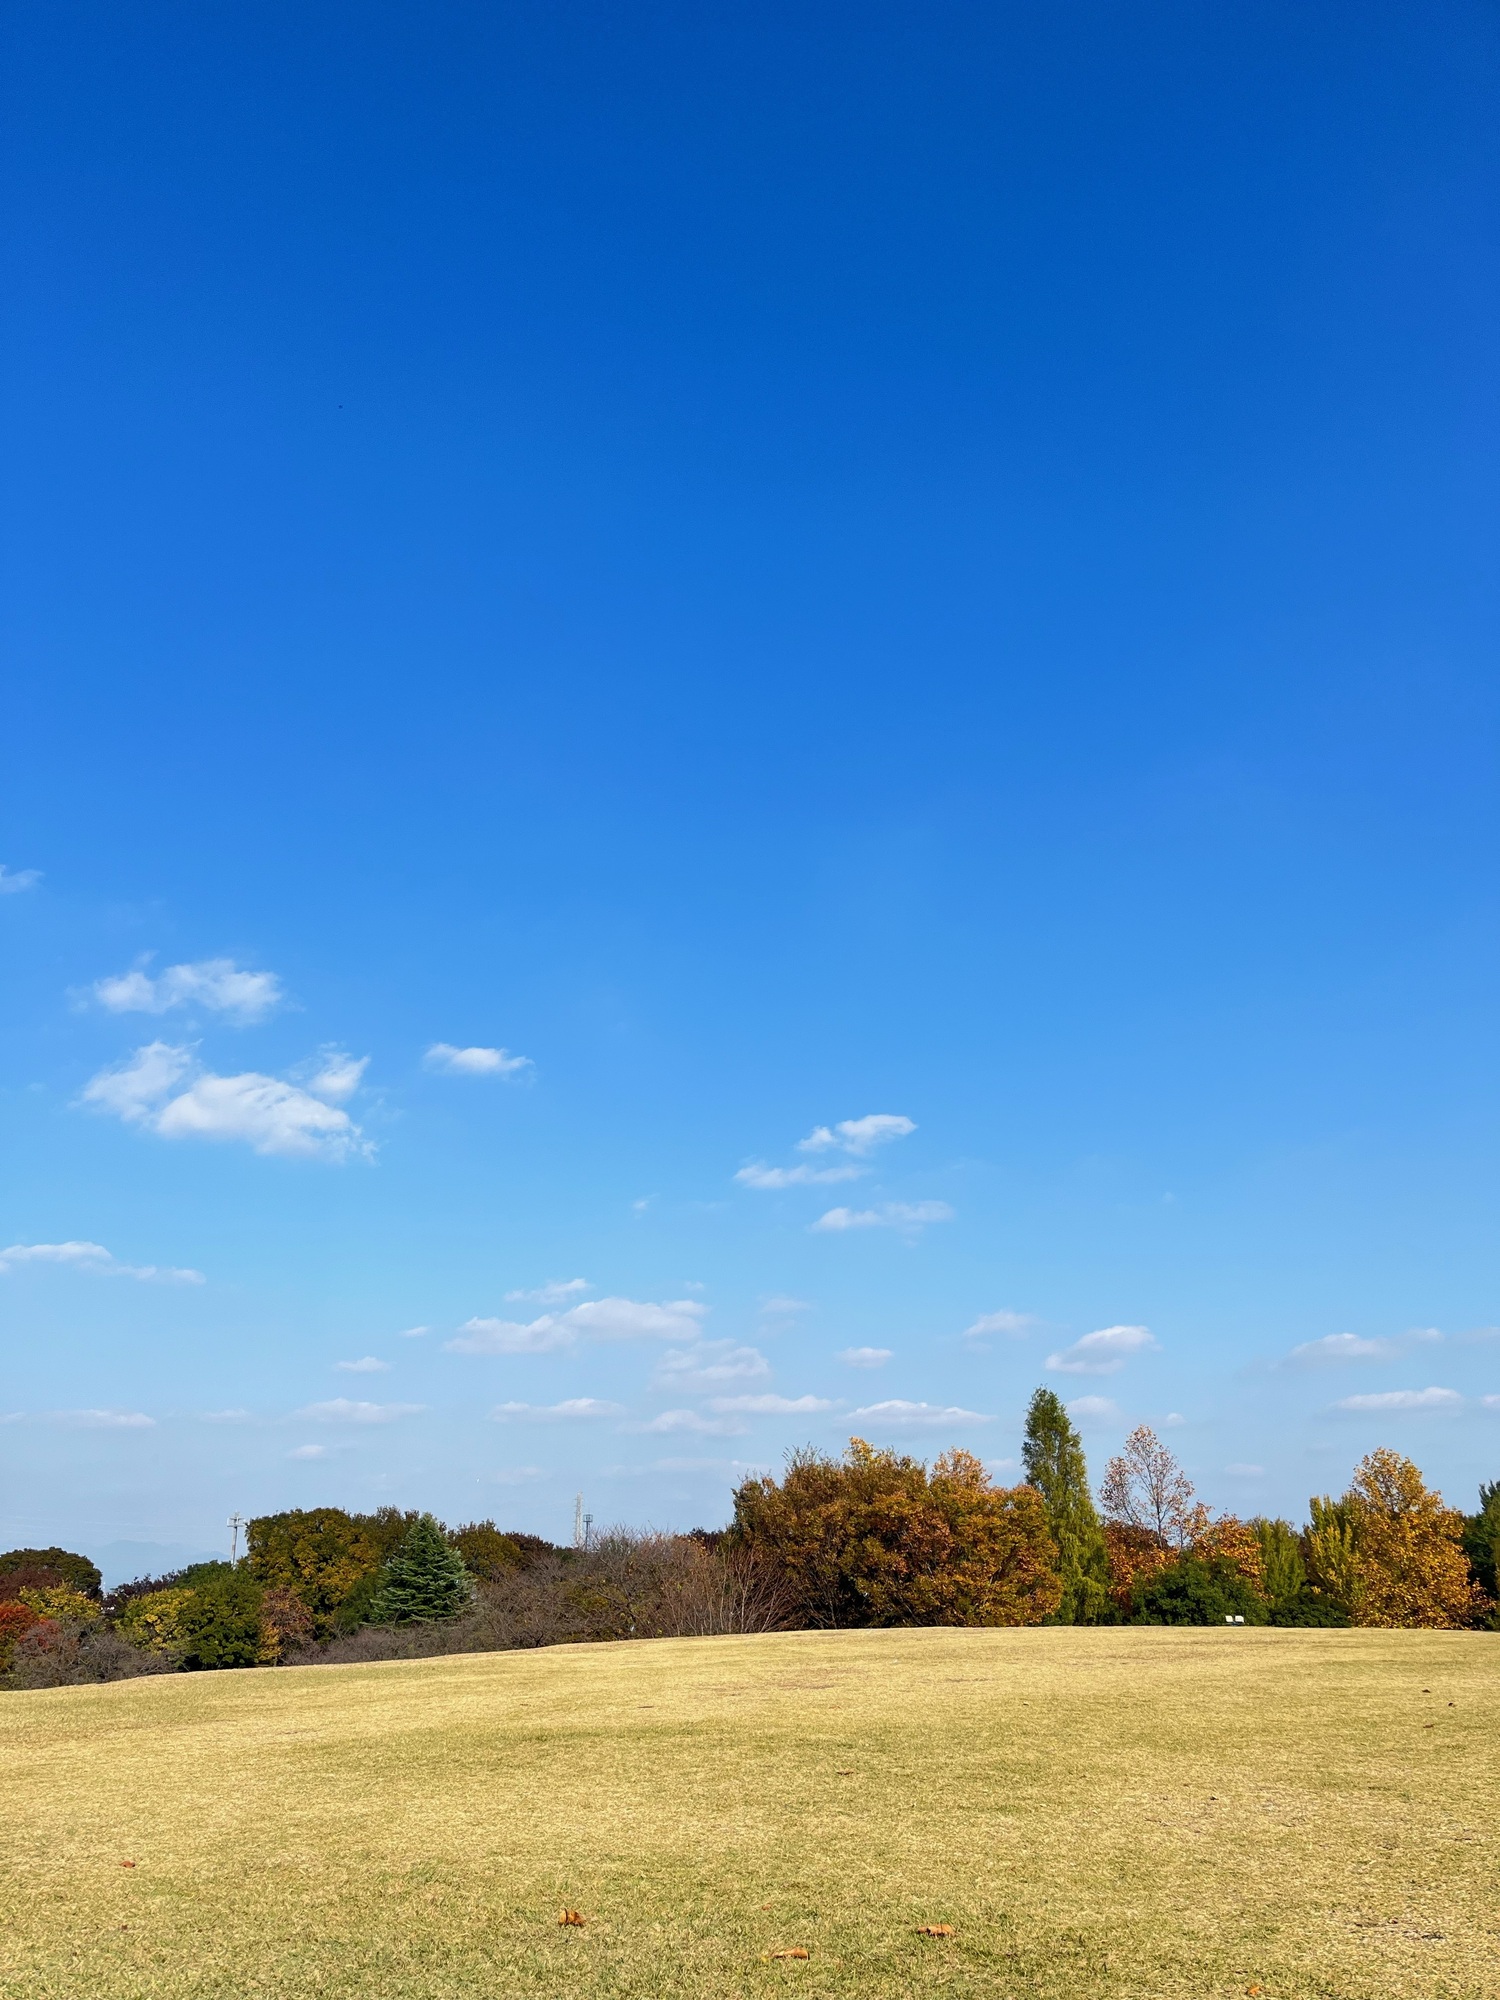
column 15, row 1618
column 875, row 1539
column 1195, row 1590
column 52, row 1655
column 219, row 1622
column 286, row 1625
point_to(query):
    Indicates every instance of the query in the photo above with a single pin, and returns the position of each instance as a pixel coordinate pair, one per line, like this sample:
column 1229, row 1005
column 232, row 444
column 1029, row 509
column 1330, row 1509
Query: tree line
column 873, row 1538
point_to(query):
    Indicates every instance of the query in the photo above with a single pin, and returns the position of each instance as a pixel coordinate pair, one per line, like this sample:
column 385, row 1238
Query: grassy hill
column 1142, row 1812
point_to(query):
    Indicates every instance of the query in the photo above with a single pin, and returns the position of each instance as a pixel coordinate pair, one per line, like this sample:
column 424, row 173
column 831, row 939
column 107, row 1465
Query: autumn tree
column 877, row 1539
column 1146, row 1489
column 1053, row 1457
column 1408, row 1548
column 329, row 1558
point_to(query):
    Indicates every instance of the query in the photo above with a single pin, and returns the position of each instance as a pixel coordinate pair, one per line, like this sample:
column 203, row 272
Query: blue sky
column 784, row 717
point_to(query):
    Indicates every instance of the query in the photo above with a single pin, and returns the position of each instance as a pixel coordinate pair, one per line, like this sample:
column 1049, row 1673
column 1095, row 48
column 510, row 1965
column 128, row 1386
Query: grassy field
column 1142, row 1812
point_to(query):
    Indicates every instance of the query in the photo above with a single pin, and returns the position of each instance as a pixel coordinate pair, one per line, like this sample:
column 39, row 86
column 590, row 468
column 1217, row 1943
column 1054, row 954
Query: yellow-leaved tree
column 1391, row 1551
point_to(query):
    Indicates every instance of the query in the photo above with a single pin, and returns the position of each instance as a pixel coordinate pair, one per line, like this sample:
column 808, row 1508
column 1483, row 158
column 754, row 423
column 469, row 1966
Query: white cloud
column 1105, row 1352
column 671, row 1421
column 556, row 1292
column 1172, row 1420
column 342, row 1411
column 270, row 1116
column 215, row 983
column 414, row 1333
column 334, row 1075
column 591, row 1319
column 1245, row 1471
column 757, row 1175
column 368, row 1364
column 133, row 1089
column 576, row 1409
column 1094, row 1409
column 14, row 880
column 1342, row 1347
column 1402, row 1399
column 95, row 1258
column 450, row 1061
column 865, row 1357
column 783, row 1305
column 890, row 1215
column 770, row 1406
column 1490, row 1402
column 1012, row 1324
column 710, row 1361
column 897, row 1414
column 224, row 1417
column 857, row 1135
column 308, row 1451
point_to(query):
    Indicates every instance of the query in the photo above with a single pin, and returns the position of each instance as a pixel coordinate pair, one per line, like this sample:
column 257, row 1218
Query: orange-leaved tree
column 1408, row 1556
column 877, row 1539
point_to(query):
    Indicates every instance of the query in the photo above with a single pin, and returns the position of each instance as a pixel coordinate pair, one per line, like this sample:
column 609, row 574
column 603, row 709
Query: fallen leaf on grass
column 793, row 1951
column 571, row 1917
column 935, row 1930
column 765, row 1906
column 127, row 1864
column 1251, row 1991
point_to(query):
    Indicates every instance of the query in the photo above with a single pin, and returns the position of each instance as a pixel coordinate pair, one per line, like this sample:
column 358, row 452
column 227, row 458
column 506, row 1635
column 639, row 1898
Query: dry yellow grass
column 1131, row 1812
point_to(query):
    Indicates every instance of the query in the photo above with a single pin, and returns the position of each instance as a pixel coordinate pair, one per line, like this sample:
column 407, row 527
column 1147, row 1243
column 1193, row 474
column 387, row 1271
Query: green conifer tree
column 1053, row 1456
column 422, row 1578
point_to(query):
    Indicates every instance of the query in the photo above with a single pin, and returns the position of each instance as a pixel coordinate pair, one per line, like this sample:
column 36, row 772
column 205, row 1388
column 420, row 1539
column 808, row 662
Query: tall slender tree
column 1053, row 1456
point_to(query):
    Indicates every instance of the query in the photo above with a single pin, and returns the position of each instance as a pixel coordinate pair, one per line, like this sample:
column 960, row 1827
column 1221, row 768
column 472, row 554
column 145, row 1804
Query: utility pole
column 588, row 1530
column 578, row 1522
column 235, row 1522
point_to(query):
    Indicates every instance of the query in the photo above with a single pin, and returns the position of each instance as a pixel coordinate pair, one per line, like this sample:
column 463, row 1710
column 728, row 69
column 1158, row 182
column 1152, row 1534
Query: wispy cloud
column 671, row 1422
column 308, row 1451
column 576, row 1409
column 414, row 1333
column 903, row 1215
column 85, row 1420
column 13, row 881
column 1104, row 1352
column 865, row 1357
column 217, row 984
column 758, row 1175
column 1012, row 1324
column 450, row 1061
column 94, row 1258
column 898, row 1414
column 342, row 1411
column 591, row 1319
column 684, row 1369
column 1401, row 1399
column 556, row 1292
column 770, row 1406
column 1342, row 1347
column 857, row 1135
column 781, row 1305
column 368, row 1364
column 1094, row 1409
column 263, row 1112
